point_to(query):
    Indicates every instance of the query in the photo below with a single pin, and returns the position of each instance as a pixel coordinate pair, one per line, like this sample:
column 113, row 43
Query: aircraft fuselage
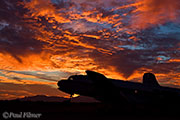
column 114, row 91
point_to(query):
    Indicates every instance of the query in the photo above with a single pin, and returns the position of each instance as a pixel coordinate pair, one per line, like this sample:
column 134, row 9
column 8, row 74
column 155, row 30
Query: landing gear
column 70, row 97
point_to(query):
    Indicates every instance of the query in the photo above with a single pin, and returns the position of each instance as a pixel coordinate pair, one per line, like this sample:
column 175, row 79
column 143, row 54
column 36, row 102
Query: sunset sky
column 43, row 41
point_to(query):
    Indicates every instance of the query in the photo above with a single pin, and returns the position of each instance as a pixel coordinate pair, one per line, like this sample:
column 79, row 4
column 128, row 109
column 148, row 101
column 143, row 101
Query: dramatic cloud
column 43, row 41
column 155, row 12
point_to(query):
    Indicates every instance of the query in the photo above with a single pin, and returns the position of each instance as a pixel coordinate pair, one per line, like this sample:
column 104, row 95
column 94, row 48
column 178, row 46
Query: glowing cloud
column 153, row 12
column 119, row 38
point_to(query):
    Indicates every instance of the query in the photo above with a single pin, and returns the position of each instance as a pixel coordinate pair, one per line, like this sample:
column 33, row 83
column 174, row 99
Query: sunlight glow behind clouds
column 52, row 40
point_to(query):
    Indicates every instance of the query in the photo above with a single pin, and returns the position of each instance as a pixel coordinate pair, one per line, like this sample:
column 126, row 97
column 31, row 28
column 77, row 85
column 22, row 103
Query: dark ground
column 89, row 111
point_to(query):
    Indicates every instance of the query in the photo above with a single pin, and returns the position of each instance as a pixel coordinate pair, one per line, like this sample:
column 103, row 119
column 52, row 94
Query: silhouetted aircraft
column 114, row 91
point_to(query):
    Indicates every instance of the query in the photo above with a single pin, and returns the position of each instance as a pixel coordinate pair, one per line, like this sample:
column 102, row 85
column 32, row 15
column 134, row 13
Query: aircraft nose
column 66, row 86
column 60, row 83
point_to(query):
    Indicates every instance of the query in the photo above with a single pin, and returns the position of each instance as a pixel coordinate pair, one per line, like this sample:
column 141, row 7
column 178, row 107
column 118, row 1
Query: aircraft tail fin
column 150, row 80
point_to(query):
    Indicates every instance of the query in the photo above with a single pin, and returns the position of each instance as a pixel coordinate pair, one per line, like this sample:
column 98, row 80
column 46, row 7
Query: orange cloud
column 44, row 8
column 74, row 36
column 153, row 12
column 174, row 60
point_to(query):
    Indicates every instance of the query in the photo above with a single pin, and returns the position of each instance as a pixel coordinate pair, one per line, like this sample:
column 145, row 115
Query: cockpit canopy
column 77, row 77
column 80, row 78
